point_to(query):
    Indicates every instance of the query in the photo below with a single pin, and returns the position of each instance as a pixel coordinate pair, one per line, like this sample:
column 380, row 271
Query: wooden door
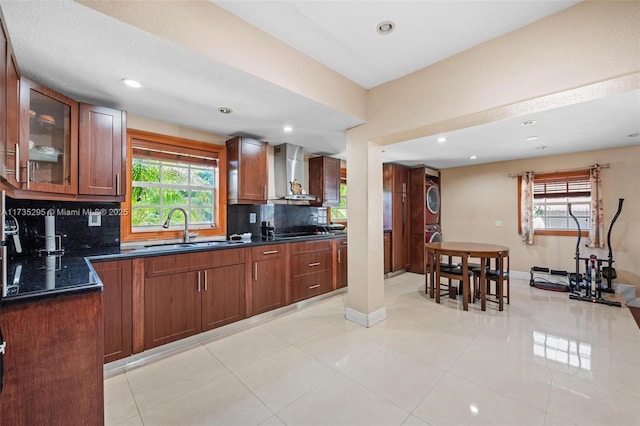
column 331, row 181
column 101, row 150
column 342, row 275
column 222, row 296
column 172, row 308
column 117, row 308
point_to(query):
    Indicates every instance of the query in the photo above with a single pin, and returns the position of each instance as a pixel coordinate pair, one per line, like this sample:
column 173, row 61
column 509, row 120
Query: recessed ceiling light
column 633, row 135
column 225, row 110
column 288, row 129
column 442, row 139
column 541, row 147
column 131, row 83
column 473, row 157
column 385, row 27
column 532, row 138
column 528, row 122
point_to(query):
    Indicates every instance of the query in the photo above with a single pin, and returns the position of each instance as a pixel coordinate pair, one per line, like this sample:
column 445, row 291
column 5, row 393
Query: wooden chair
column 452, row 271
column 430, row 272
column 499, row 275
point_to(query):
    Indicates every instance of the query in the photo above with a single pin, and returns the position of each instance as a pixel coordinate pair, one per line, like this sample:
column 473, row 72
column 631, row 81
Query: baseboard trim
column 366, row 320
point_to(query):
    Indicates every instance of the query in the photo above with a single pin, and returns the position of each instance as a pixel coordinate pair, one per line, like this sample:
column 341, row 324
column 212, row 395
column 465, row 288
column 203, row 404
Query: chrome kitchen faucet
column 187, row 237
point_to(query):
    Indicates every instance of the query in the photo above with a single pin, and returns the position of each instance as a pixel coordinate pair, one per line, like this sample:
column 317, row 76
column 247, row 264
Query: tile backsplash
column 71, row 224
column 286, row 218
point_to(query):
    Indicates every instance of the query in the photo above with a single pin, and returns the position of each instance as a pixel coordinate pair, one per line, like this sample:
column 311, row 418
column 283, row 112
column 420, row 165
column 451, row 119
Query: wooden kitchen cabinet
column 341, row 262
column 185, row 294
column 396, row 213
column 387, row 252
column 324, row 180
column 246, row 171
column 267, row 278
column 48, row 140
column 117, row 308
column 9, row 108
column 53, row 372
column 102, row 151
column 223, row 298
column 311, row 269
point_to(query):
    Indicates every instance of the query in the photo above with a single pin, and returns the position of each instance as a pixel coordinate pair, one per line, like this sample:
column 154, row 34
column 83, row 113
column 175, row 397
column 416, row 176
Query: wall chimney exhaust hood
column 288, row 160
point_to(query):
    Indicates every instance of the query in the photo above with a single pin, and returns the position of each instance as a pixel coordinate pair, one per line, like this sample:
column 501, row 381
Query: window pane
column 147, row 216
column 145, row 171
column 175, row 197
column 201, row 198
column 202, row 177
column 145, row 195
column 201, row 216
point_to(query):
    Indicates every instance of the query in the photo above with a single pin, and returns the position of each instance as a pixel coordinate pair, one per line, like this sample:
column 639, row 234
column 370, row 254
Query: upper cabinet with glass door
column 48, row 154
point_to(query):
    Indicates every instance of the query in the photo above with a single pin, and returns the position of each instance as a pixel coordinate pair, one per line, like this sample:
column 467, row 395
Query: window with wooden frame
column 552, row 194
column 164, row 172
column 339, row 213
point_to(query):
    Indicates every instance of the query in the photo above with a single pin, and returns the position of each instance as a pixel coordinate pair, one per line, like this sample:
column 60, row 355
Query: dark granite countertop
column 42, row 277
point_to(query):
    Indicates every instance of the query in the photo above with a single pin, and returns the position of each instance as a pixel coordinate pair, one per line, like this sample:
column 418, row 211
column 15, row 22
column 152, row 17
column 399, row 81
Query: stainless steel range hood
column 288, row 160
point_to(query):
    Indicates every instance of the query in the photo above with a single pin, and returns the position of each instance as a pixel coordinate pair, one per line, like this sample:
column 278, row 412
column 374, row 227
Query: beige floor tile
column 340, row 401
column 225, row 401
column 398, row 378
column 272, row 421
column 555, row 421
column 245, row 348
column 414, row 421
column 456, row 401
column 170, row 378
column 521, row 380
column 119, row 404
column 133, row 421
column 585, row 403
column 283, row 377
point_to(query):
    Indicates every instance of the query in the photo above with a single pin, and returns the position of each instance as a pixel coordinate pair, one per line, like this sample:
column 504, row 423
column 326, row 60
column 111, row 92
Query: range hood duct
column 288, row 160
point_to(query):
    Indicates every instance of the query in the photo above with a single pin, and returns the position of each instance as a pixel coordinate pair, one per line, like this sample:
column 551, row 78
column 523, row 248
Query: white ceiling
column 84, row 54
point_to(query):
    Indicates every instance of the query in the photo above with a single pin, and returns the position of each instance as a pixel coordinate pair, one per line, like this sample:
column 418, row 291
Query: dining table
column 482, row 251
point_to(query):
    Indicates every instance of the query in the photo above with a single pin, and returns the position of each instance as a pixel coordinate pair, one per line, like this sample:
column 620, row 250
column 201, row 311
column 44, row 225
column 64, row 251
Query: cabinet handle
column 344, row 243
column 270, row 252
column 314, row 264
column 17, row 163
column 198, row 281
column 117, row 183
column 311, row 287
column 339, row 256
column 28, row 173
column 255, row 271
column 206, row 286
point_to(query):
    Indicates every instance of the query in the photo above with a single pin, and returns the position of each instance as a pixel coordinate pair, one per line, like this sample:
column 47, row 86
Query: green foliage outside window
column 340, row 212
column 160, row 185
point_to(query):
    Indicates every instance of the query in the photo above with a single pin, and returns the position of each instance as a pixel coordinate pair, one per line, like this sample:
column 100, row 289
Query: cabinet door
column 222, row 296
column 324, row 180
column 117, row 308
column 48, row 139
column 246, row 171
column 12, row 168
column 268, row 285
column 172, row 308
column 387, row 252
column 342, row 263
column 4, row 56
column 101, row 151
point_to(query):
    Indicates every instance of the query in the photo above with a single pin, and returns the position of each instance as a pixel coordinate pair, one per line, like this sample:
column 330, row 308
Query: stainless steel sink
column 178, row 246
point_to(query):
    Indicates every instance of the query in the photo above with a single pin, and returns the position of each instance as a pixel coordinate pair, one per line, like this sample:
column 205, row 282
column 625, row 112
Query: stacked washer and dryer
column 433, row 231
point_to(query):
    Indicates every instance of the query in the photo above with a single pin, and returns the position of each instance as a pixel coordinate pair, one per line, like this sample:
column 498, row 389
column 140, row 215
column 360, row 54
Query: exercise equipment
column 549, row 279
column 592, row 280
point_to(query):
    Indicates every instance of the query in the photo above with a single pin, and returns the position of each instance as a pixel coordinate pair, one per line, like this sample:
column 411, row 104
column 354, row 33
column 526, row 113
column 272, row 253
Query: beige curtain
column 526, row 207
column 596, row 224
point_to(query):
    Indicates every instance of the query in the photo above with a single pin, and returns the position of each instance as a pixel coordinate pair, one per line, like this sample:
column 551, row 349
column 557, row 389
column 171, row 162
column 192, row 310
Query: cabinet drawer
column 310, row 285
column 309, row 246
column 270, row 251
column 310, row 263
column 173, row 263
